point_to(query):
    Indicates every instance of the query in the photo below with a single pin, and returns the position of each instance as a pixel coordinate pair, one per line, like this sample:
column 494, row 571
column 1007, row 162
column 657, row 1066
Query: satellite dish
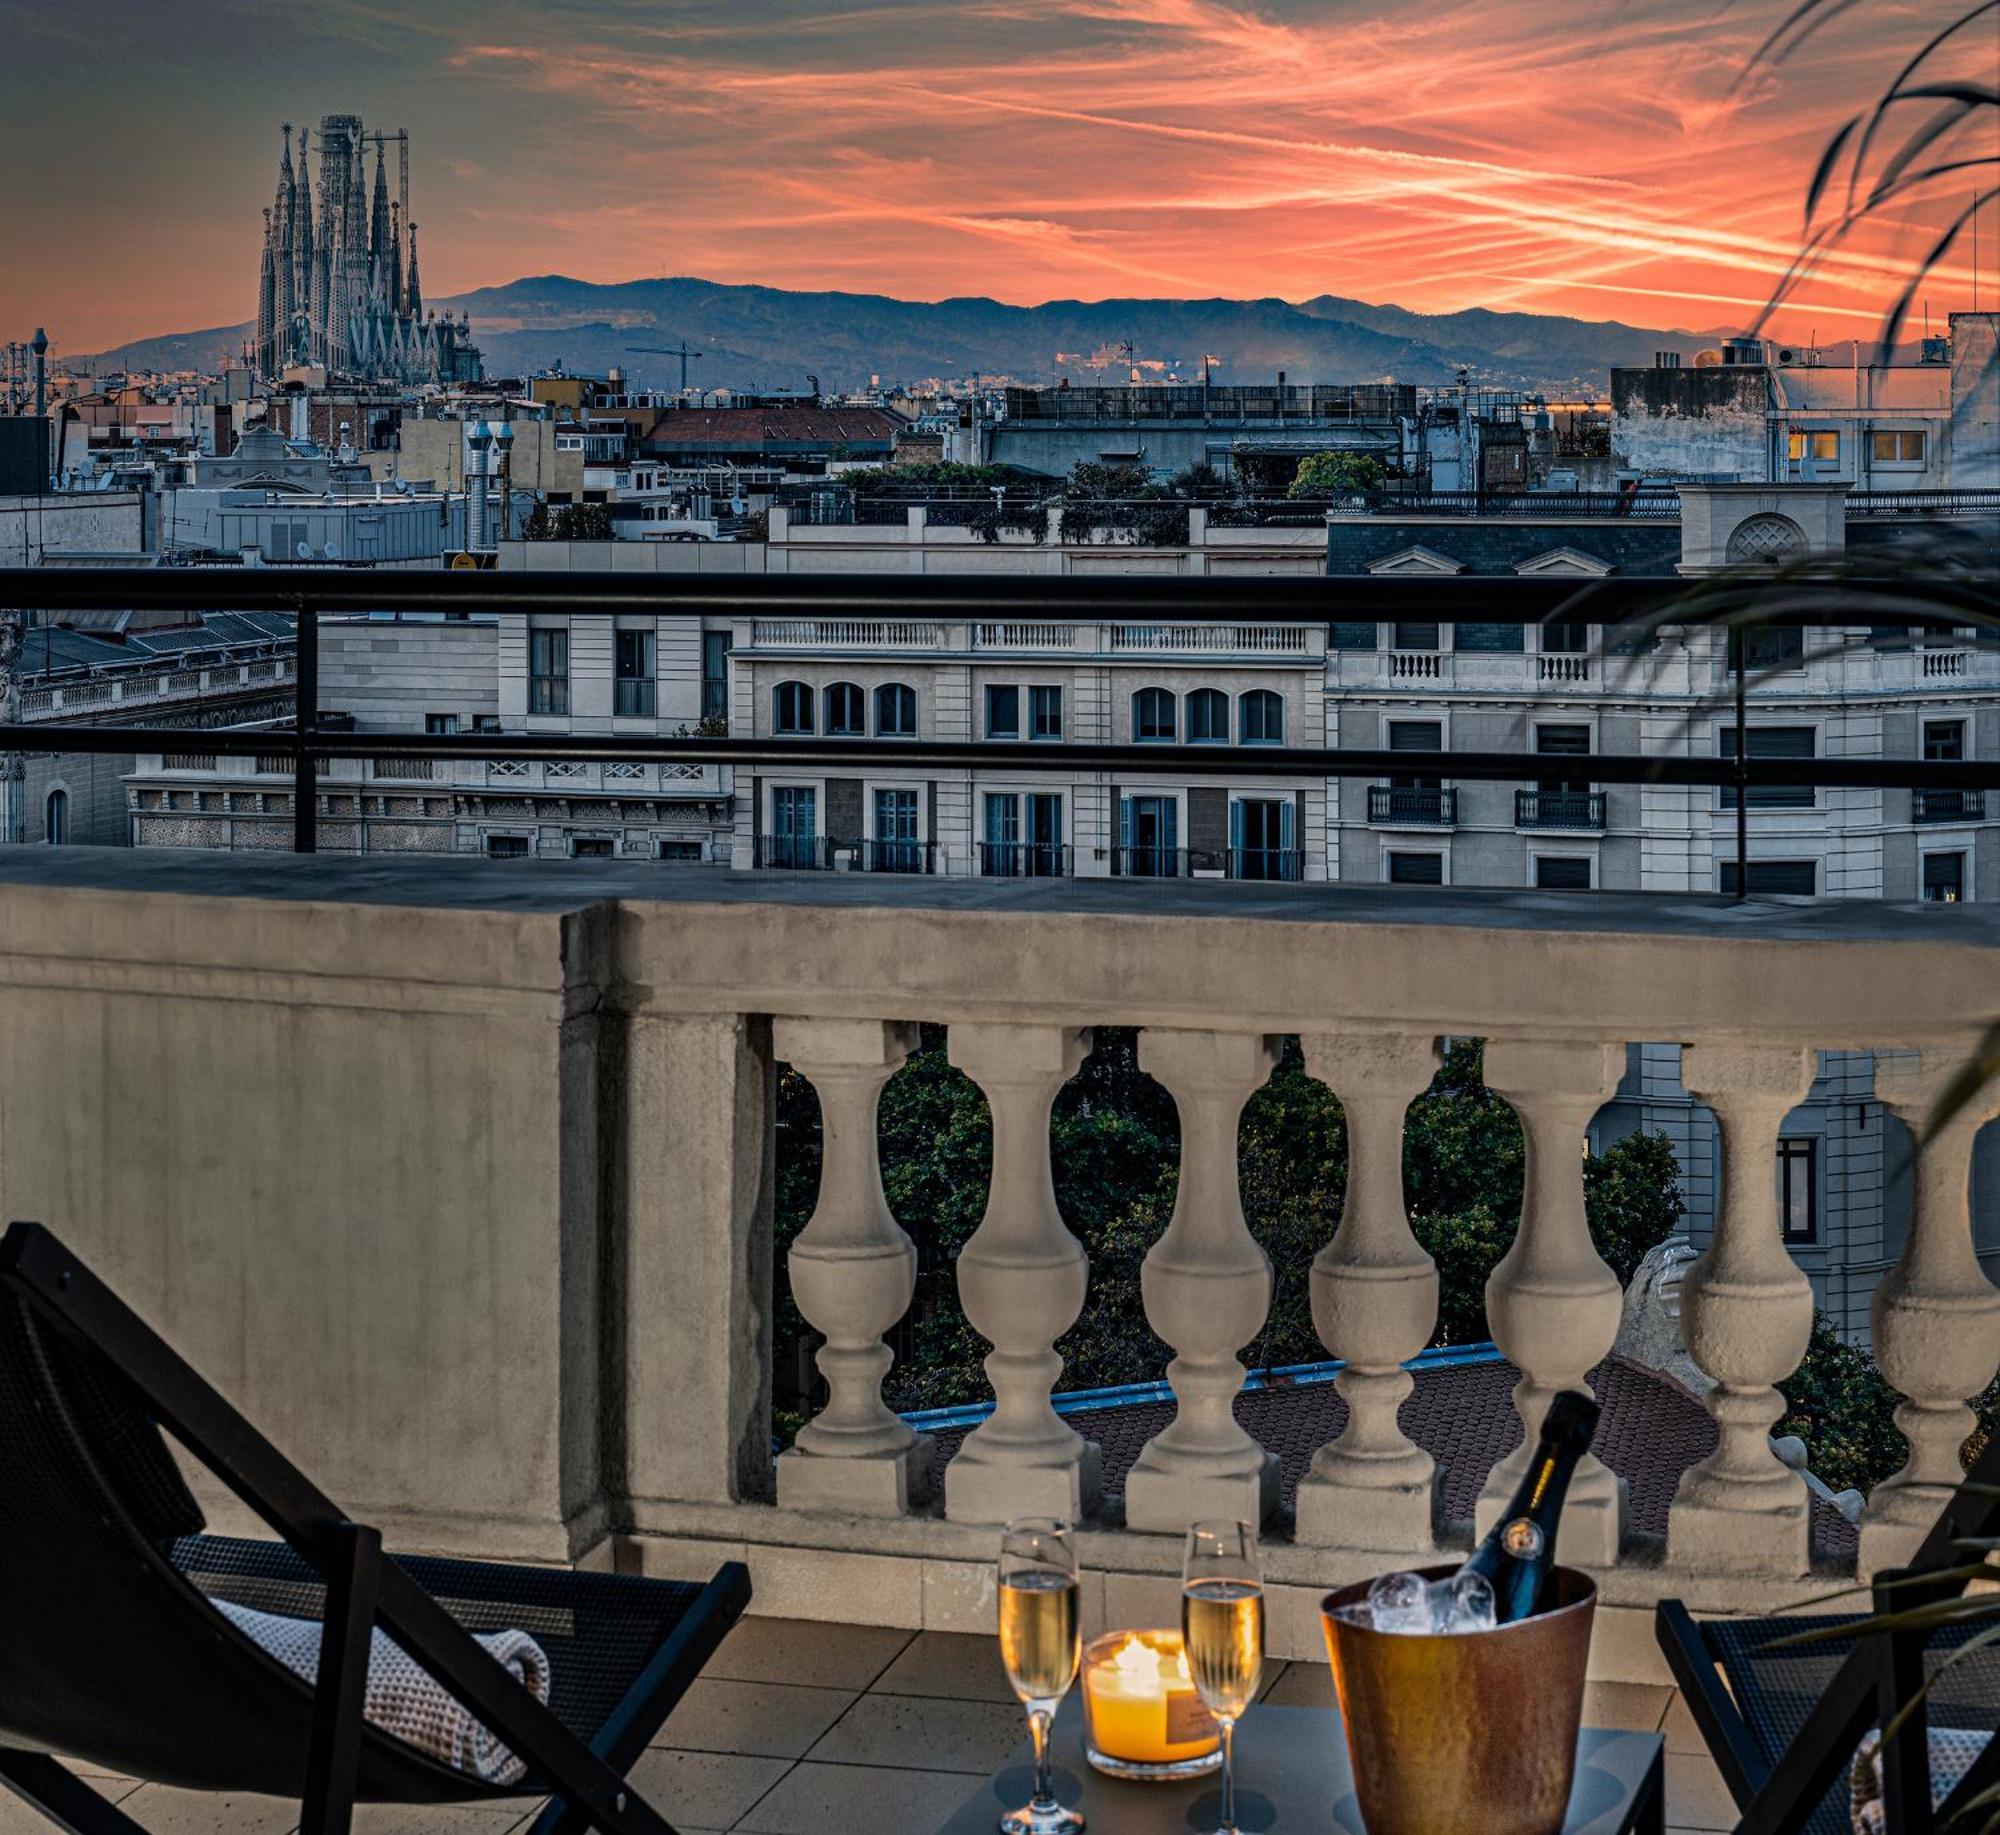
column 333, row 551
column 305, row 551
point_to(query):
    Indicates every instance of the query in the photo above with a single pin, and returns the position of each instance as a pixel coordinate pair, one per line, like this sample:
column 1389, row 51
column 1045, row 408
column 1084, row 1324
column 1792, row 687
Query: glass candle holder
column 1142, row 1717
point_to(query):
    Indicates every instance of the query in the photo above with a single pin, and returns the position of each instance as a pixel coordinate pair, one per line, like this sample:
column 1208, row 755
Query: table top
column 1291, row 1773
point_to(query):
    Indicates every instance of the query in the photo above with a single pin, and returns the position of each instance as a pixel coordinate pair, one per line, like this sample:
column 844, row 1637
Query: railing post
column 1935, row 1317
column 305, row 705
column 1552, row 1301
column 853, row 1272
column 1022, row 1278
column 1746, row 1312
column 1207, row 1291
column 1374, row 1302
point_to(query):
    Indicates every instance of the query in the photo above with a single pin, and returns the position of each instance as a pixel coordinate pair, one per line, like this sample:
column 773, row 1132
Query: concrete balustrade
column 1935, row 1315
column 1747, row 1311
column 459, row 1178
column 1374, row 1301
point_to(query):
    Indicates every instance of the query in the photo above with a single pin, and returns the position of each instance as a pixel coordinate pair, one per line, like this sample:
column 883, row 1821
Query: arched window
column 1152, row 714
column 1208, row 717
column 1261, row 717
column 1766, row 537
column 792, row 707
column 895, row 711
column 55, row 818
column 846, row 711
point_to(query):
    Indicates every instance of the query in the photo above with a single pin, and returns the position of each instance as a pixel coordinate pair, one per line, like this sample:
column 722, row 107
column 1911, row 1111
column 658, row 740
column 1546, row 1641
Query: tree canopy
column 1331, row 474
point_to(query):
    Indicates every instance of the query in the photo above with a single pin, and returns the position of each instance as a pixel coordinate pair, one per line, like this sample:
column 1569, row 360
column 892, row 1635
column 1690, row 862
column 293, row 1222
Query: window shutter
column 1125, row 821
column 1288, row 824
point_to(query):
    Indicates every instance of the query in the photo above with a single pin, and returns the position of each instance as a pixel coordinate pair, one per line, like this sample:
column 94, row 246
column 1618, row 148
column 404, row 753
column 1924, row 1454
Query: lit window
column 1152, row 714
column 792, row 705
column 1896, row 446
column 1820, row 444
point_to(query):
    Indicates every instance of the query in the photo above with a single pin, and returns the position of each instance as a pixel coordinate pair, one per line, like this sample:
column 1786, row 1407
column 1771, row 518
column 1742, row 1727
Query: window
column 1782, row 878
column 506, row 847
column 1944, row 741
column 846, row 711
column 1820, row 444
column 548, row 672
column 1003, row 712
column 715, row 675
column 1490, row 639
column 1896, row 446
column 1414, row 636
column 590, row 847
column 1152, row 714
column 1416, row 869
column 1765, row 538
column 895, row 711
column 55, row 818
column 440, row 723
column 1562, row 873
column 485, row 723
column 1565, row 639
column 1208, row 717
column 794, row 837
column 1773, row 647
column 1944, row 878
column 1351, row 636
column 1798, row 1213
column 1045, row 713
column 895, row 847
column 680, row 850
column 792, row 708
column 634, row 688
column 1772, row 742
column 1416, row 736
column 1261, row 718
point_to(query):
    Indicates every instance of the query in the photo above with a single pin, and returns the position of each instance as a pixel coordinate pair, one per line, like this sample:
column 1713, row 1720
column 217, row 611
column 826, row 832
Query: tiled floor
column 808, row 1729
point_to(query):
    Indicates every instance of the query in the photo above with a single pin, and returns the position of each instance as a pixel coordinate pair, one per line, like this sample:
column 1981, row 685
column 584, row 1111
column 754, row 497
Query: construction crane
column 681, row 351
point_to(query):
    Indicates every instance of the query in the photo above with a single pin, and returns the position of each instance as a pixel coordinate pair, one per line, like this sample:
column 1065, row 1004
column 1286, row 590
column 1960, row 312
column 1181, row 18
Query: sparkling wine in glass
column 1040, row 1644
column 1222, row 1624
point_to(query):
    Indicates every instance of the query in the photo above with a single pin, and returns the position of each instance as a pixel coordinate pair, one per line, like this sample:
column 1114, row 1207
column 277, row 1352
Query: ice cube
column 1400, row 1603
column 1461, row 1604
column 1360, row 1614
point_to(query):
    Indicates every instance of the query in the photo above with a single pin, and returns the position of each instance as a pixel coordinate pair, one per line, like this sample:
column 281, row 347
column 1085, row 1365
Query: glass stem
column 1038, row 1728
column 1228, row 1778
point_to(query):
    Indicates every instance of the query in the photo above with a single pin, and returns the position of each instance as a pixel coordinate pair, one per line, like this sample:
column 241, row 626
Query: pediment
column 1566, row 561
column 1416, row 559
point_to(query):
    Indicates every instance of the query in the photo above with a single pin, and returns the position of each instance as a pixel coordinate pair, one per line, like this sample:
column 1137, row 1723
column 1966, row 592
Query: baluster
column 1746, row 1312
column 1552, row 1302
column 853, row 1272
column 1374, row 1301
column 1022, row 1279
column 1207, row 1289
column 1935, row 1317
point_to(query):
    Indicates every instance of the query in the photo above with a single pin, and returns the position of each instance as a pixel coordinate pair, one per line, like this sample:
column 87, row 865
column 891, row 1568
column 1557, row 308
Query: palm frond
column 1967, row 1082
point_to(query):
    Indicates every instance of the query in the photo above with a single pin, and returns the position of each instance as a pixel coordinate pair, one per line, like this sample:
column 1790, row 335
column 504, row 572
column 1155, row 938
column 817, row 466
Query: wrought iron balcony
column 1401, row 806
column 1559, row 809
column 1935, row 805
column 891, row 856
column 1266, row 863
column 1023, row 860
column 794, row 853
column 1150, row 862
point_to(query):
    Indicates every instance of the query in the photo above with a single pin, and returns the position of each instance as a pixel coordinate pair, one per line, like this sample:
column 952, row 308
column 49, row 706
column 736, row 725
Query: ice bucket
column 1450, row 1734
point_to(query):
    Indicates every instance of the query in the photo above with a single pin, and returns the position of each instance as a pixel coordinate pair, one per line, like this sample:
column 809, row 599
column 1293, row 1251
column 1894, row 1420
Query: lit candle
column 1141, row 1709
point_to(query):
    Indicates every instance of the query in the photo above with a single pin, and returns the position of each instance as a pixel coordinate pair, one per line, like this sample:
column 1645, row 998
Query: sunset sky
column 1580, row 156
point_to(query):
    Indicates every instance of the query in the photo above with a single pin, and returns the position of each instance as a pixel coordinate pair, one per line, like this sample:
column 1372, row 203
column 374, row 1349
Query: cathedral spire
column 415, row 286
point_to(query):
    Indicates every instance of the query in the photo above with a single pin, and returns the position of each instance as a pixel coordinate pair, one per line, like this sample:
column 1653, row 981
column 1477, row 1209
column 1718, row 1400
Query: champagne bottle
column 1518, row 1555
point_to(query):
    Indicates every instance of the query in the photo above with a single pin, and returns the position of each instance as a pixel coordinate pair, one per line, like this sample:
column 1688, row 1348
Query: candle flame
column 1143, row 1665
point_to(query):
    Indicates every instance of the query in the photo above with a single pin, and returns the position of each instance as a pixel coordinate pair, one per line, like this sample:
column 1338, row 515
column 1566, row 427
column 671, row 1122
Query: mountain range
column 774, row 338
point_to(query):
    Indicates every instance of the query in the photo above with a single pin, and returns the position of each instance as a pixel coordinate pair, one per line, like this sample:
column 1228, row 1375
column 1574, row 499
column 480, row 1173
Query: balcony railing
column 611, row 1150
column 1267, row 863
column 890, row 856
column 1150, row 862
column 1397, row 806
column 1555, row 668
column 844, row 634
column 794, row 853
column 1928, row 805
column 1210, row 639
column 1559, row 809
column 1023, row 860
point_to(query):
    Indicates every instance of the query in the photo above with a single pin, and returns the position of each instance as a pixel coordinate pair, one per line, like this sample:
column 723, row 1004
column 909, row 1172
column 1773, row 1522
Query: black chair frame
column 363, row 1588
column 1881, row 1676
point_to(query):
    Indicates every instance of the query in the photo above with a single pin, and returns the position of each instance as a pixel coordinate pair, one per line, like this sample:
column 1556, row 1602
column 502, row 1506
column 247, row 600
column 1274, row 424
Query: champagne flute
column 1222, row 1624
column 1040, row 1643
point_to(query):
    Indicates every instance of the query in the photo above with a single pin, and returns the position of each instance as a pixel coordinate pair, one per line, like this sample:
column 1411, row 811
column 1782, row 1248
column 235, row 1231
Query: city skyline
column 1592, row 162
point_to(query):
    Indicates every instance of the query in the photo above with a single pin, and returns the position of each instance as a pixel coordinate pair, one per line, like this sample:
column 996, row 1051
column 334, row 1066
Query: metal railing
column 1935, row 805
column 892, row 856
column 1405, row 806
column 1559, row 809
column 910, row 606
column 1267, row 863
column 1023, row 860
column 1656, row 505
column 794, row 853
column 1150, row 862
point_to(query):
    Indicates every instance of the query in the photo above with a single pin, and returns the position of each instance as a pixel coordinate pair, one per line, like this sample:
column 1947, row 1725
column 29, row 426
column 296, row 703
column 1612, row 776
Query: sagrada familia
column 336, row 288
